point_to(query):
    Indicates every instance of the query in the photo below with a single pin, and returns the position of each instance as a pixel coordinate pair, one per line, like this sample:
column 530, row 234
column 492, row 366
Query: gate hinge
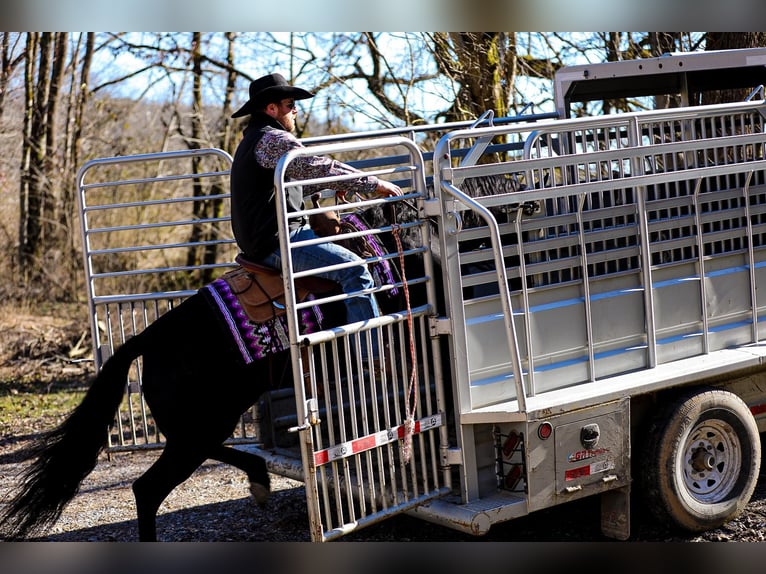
column 451, row 456
column 439, row 326
column 432, row 208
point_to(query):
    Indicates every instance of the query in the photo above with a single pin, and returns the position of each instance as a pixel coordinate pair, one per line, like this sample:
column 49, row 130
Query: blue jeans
column 355, row 278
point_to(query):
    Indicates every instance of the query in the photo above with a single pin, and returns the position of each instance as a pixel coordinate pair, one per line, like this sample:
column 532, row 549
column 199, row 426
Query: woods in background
column 66, row 98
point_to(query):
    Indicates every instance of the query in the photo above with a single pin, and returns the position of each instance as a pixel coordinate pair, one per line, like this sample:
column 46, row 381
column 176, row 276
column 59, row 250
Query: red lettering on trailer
column 371, row 441
column 586, row 454
column 758, row 409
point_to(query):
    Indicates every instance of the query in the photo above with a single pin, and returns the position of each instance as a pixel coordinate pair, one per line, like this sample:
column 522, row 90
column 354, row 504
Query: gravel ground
column 214, row 506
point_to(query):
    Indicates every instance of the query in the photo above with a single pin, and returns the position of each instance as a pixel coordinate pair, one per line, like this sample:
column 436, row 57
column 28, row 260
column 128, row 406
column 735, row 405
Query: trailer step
column 475, row 517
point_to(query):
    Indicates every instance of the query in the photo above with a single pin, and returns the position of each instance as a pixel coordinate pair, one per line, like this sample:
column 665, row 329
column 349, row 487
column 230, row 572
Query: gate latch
column 312, row 416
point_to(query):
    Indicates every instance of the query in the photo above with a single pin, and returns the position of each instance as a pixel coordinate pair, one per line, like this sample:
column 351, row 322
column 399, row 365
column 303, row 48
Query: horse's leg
column 253, row 465
column 174, row 466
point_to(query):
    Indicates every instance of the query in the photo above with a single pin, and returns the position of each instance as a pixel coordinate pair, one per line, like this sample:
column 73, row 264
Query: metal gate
column 372, row 438
column 154, row 229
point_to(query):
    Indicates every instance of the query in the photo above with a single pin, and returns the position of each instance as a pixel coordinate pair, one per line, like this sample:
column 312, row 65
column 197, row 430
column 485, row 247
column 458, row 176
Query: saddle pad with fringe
column 255, row 340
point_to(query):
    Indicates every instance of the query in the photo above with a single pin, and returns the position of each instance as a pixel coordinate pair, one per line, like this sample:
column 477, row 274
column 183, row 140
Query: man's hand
column 387, row 189
column 325, row 224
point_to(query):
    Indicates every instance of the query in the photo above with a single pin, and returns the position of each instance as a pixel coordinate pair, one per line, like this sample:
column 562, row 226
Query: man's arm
column 274, row 144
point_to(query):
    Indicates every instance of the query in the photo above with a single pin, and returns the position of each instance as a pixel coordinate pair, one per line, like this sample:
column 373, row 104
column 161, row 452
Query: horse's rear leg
column 174, row 466
column 253, row 465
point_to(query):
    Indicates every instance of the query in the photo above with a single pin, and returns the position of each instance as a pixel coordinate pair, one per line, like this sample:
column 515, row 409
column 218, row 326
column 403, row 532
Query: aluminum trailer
column 591, row 316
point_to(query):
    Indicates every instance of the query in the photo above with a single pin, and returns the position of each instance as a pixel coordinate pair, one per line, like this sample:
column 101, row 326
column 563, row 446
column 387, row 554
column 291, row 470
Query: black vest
column 253, row 204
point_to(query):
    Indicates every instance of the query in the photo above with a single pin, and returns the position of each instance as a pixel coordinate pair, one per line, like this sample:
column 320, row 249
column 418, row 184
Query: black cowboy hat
column 271, row 88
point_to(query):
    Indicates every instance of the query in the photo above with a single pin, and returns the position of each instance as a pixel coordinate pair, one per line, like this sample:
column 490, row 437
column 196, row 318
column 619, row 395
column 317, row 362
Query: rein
column 411, row 397
column 396, row 231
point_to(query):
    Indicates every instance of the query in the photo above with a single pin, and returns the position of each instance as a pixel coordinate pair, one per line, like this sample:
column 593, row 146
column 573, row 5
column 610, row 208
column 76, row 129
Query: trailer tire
column 701, row 460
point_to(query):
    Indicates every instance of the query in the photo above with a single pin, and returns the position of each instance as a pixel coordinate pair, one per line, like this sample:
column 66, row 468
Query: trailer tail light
column 511, row 443
column 544, row 431
column 513, row 477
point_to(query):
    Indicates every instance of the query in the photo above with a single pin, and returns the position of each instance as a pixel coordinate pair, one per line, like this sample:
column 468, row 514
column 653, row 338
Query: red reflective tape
column 400, row 430
column 575, row 473
column 758, row 409
column 321, row 457
column 590, row 469
column 364, row 443
column 374, row 440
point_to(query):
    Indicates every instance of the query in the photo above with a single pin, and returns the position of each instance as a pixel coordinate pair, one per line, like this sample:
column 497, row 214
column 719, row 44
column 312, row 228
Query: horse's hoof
column 260, row 493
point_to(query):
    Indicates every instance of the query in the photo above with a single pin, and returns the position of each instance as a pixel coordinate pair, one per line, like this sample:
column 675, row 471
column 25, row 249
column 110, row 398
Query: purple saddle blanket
column 255, row 341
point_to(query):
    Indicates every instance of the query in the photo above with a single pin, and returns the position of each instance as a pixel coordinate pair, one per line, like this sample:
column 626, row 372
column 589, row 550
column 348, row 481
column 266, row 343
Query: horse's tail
column 64, row 456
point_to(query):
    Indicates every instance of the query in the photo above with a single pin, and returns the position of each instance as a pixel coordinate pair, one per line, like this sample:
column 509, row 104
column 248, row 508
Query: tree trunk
column 83, row 94
column 37, row 88
column 40, row 235
column 54, row 235
column 661, row 43
column 8, row 63
column 204, row 233
column 199, row 208
column 78, row 97
column 484, row 65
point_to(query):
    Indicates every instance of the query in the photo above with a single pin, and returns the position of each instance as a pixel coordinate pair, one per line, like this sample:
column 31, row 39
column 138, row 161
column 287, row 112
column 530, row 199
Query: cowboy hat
column 271, row 88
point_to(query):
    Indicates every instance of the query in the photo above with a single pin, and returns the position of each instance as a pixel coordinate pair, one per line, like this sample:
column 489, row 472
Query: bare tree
column 202, row 250
column 33, row 194
column 10, row 59
column 484, row 65
column 41, row 237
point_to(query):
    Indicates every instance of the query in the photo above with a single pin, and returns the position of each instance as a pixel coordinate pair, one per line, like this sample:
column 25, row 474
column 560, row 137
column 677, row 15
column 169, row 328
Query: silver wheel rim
column 712, row 461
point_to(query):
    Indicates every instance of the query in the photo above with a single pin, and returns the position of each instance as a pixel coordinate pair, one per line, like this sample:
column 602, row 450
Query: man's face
column 285, row 113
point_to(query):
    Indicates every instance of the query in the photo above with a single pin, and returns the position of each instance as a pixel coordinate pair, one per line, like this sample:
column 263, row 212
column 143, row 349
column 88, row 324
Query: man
column 267, row 137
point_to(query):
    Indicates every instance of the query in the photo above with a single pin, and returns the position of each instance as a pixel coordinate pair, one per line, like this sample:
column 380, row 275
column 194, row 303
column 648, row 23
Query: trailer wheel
column 701, row 460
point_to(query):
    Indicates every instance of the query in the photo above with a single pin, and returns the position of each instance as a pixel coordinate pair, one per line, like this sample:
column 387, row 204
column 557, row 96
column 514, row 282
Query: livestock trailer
column 582, row 313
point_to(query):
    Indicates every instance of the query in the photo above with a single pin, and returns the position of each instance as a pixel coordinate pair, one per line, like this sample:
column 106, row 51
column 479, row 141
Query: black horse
column 185, row 354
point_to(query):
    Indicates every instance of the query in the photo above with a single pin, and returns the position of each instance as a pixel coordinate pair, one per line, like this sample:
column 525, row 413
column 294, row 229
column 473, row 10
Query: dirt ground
column 41, row 353
column 36, row 345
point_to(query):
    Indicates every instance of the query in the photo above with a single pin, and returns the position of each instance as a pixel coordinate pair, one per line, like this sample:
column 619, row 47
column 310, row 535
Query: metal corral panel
column 154, row 228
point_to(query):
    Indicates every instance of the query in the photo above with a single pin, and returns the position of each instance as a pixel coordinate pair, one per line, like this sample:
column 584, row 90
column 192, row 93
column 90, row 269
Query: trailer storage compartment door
column 586, row 450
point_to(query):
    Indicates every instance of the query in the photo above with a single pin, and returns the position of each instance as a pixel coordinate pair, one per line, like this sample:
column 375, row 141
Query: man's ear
column 271, row 109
